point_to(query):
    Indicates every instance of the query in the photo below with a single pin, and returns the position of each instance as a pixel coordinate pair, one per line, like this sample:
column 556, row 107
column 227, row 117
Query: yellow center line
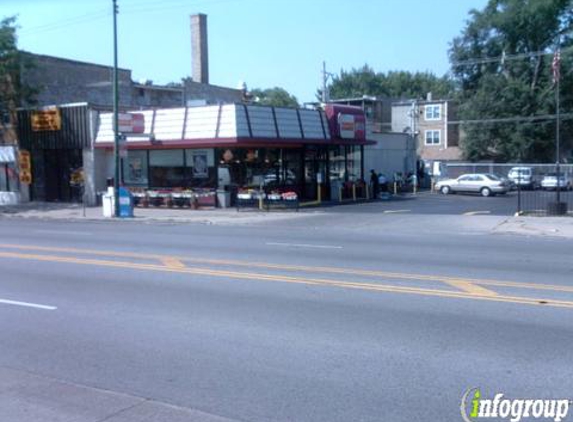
column 471, row 288
column 289, row 279
column 172, row 262
column 301, row 268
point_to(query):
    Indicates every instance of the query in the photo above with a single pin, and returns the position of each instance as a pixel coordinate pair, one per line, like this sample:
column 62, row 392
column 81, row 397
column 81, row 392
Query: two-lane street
column 301, row 322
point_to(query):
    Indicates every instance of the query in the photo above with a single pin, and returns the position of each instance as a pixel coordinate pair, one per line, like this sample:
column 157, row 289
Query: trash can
column 224, row 198
column 107, row 202
column 557, row 208
column 335, row 186
column 125, row 203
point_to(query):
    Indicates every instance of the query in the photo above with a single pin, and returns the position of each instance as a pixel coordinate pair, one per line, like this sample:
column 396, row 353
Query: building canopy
column 240, row 125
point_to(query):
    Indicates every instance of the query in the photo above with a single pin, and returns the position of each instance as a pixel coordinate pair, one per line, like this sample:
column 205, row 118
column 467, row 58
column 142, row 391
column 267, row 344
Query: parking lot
column 428, row 203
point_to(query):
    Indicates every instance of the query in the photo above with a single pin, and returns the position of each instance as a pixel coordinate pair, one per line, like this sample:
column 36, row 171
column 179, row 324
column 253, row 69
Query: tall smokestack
column 199, row 49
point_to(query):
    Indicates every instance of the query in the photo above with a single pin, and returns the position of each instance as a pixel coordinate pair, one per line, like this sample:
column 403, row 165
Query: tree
column 501, row 63
column 277, row 97
column 13, row 92
column 394, row 84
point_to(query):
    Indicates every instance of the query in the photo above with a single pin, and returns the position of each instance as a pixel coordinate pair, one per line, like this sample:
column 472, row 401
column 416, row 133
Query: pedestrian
column 374, row 183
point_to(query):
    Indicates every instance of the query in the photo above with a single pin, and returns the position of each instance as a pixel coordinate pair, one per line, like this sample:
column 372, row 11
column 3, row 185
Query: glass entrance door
column 316, row 170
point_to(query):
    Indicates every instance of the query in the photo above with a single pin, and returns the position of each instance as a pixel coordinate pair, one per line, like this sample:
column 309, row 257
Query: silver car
column 549, row 182
column 486, row 184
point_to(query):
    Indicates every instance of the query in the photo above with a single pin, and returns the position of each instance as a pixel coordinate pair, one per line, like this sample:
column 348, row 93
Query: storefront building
column 238, row 147
column 58, row 140
column 200, row 150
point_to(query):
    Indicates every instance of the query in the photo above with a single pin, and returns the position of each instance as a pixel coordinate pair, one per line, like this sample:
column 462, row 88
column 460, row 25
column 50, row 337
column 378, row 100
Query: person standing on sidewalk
column 374, row 184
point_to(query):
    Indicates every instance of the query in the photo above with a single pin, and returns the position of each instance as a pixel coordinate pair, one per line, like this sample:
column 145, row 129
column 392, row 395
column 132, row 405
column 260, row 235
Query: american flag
column 556, row 66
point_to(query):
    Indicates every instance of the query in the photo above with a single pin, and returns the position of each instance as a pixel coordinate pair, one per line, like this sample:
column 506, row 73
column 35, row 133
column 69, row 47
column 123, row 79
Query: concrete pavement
column 520, row 225
column 75, row 212
column 26, row 397
column 537, row 226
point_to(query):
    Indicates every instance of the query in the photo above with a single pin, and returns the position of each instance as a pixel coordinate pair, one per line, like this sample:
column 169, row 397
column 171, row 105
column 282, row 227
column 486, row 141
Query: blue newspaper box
column 125, row 203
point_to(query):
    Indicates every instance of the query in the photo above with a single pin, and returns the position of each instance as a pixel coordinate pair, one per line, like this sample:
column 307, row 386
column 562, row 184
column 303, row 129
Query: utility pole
column 325, row 75
column 557, row 135
column 115, row 114
column 324, row 82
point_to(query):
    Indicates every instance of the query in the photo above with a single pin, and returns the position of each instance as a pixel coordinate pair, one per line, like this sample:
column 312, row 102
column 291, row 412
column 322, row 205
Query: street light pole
column 557, row 139
column 115, row 114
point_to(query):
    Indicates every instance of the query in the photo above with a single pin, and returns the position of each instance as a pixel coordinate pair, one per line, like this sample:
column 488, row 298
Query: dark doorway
column 57, row 168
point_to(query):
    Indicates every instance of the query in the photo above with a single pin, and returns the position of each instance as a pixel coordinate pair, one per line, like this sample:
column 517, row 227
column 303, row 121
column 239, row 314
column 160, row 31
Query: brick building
column 430, row 122
column 64, row 81
column 79, row 92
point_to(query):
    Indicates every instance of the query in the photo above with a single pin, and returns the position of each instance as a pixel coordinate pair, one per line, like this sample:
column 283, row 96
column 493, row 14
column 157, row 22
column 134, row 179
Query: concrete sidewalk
column 537, row 226
column 529, row 226
column 55, row 211
column 26, row 397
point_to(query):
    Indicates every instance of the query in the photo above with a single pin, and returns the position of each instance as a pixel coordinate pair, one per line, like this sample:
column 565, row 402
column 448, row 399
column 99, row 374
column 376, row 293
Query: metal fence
column 537, row 194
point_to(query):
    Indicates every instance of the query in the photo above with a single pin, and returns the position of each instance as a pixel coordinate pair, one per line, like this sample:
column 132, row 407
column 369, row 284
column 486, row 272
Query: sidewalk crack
column 119, row 412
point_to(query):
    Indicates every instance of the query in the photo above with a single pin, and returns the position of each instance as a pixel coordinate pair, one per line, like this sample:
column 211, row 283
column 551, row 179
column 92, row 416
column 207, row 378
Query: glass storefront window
column 166, row 168
column 135, row 168
column 200, row 168
column 292, row 167
column 353, row 163
column 9, row 177
column 13, row 180
column 270, row 168
column 3, row 178
column 337, row 164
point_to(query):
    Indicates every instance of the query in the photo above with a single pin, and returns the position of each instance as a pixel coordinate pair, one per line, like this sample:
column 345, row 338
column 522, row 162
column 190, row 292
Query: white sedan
column 549, row 182
column 486, row 184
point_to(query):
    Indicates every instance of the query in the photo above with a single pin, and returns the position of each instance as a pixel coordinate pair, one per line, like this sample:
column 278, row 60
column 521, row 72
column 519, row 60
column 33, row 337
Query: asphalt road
column 353, row 314
column 433, row 203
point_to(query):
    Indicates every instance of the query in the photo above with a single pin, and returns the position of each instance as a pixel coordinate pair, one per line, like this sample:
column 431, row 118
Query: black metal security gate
column 56, row 153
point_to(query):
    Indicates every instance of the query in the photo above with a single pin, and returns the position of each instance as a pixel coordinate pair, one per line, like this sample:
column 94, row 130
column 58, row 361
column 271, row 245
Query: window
column 8, row 177
column 493, row 177
column 3, row 177
column 433, row 112
column 135, row 168
column 337, row 161
column 353, row 167
column 200, row 168
column 166, row 168
column 432, row 137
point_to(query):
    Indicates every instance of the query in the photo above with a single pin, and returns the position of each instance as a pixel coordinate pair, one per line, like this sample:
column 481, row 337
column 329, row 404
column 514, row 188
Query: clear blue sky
column 265, row 43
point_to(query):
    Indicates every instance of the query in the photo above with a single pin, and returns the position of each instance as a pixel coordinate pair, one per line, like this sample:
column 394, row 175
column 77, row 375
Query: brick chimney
column 199, row 49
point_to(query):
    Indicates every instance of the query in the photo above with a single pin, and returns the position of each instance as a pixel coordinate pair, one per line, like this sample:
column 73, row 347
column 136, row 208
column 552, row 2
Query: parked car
column 486, row 184
column 522, row 177
column 549, row 182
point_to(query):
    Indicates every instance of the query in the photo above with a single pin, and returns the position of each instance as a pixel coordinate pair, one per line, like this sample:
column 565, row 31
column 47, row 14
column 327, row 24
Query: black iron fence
column 544, row 202
column 538, row 189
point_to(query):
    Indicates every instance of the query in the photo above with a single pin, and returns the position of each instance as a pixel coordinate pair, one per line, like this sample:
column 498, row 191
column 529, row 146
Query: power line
column 504, row 57
column 166, row 5
column 516, row 119
column 64, row 24
column 150, row 6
